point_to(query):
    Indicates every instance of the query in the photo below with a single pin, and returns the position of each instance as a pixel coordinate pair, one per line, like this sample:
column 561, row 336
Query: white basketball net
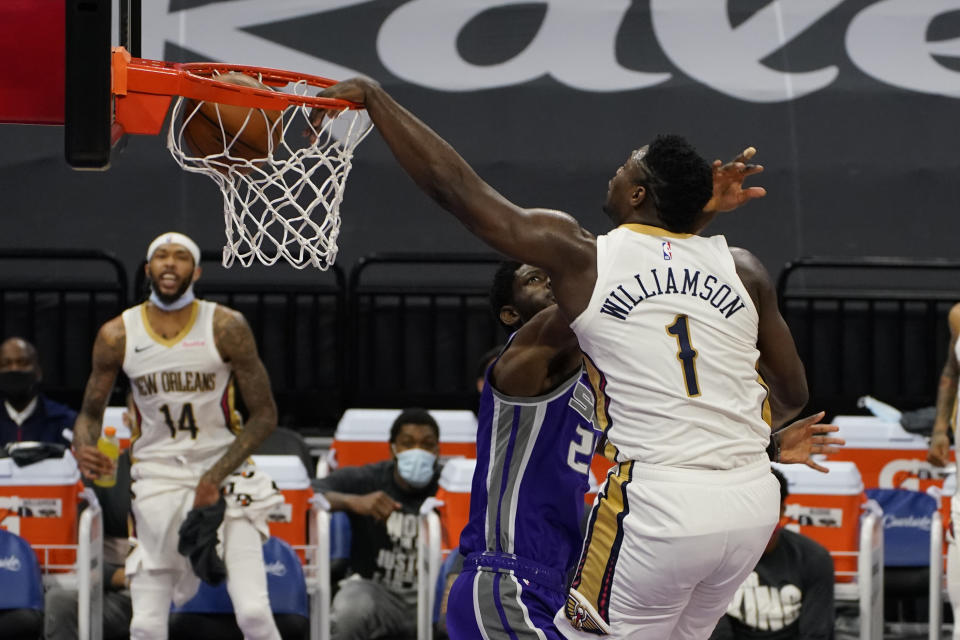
column 288, row 204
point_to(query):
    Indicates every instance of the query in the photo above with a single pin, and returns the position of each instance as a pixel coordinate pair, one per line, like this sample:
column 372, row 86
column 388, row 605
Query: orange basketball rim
column 143, row 90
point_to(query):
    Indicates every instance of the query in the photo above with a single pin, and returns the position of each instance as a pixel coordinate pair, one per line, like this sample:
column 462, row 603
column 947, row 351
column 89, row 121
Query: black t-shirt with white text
column 788, row 596
column 383, row 552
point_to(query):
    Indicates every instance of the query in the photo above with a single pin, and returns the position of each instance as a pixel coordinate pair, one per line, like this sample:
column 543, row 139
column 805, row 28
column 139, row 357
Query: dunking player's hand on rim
column 801, row 440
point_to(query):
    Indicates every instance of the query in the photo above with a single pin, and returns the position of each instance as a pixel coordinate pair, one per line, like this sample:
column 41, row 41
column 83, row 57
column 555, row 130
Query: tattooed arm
column 107, row 359
column 236, row 345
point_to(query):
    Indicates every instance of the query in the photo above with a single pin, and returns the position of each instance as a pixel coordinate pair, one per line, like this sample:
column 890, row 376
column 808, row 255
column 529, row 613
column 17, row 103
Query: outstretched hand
column 728, row 190
column 802, row 439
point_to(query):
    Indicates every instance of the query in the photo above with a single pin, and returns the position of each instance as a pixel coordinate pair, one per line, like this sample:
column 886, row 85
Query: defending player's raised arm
column 543, row 353
column 780, row 364
column 236, row 345
column 939, row 453
column 549, row 239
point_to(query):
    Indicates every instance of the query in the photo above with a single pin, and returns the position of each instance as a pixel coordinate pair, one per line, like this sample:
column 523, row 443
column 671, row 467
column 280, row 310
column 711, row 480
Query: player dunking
column 537, row 396
column 689, row 360
column 182, row 356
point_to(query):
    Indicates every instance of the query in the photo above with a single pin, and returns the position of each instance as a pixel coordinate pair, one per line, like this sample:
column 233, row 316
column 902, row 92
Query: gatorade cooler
column 455, row 484
column 888, row 456
column 38, row 502
column 289, row 521
column 826, row 507
column 362, row 435
column 113, row 417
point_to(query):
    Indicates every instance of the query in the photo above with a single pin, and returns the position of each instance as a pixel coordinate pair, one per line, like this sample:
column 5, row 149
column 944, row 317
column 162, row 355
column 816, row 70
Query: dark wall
column 863, row 162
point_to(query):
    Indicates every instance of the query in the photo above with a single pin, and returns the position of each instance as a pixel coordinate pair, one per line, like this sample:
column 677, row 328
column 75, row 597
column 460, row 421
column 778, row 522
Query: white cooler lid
column 457, row 475
column 50, row 472
column 287, row 471
column 870, row 432
column 113, row 417
column 373, row 425
column 843, row 480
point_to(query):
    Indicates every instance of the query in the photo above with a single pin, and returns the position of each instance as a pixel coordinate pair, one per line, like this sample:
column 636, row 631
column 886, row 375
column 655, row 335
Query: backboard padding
column 32, row 38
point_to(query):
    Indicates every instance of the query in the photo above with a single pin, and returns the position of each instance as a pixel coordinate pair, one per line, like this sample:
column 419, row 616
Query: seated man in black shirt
column 383, row 502
column 790, row 593
column 26, row 413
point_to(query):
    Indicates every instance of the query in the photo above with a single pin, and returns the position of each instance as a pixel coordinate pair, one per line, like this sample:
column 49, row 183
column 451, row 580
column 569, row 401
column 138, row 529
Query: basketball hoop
column 284, row 205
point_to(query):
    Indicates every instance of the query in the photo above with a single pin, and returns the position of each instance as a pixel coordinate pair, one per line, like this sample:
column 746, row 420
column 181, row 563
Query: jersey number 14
column 185, row 423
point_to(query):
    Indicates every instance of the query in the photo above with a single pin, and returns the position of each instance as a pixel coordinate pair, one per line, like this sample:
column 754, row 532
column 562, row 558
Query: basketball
column 249, row 130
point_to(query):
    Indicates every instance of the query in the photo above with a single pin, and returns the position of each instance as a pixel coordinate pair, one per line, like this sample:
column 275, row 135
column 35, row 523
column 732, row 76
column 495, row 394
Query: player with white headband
column 183, row 356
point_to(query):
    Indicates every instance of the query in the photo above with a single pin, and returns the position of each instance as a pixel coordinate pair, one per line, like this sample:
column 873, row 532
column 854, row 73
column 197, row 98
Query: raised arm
column 549, row 239
column 236, row 345
column 780, row 364
column 108, row 351
column 939, row 453
column 542, row 355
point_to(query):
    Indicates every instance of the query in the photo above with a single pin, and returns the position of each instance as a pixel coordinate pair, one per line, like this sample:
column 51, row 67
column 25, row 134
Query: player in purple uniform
column 535, row 440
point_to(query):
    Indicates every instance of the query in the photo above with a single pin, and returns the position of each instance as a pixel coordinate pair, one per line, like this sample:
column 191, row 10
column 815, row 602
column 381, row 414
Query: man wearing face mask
column 28, row 414
column 383, row 502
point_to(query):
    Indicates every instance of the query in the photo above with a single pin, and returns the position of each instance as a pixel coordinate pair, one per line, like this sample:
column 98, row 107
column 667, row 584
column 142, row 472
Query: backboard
column 62, row 75
column 92, row 27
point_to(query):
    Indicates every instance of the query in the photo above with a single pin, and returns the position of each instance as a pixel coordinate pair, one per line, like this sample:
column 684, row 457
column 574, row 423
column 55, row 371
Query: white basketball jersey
column 670, row 339
column 182, row 388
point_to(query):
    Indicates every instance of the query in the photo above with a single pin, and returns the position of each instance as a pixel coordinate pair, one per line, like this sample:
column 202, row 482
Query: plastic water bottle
column 880, row 409
column 110, row 447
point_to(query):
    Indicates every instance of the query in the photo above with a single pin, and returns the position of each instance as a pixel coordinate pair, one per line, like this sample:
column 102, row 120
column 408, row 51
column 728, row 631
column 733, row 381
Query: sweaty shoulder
column 113, row 335
column 954, row 318
column 751, row 272
column 231, row 333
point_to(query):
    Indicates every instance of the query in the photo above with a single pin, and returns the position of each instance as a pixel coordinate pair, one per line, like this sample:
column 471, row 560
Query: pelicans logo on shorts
column 581, row 619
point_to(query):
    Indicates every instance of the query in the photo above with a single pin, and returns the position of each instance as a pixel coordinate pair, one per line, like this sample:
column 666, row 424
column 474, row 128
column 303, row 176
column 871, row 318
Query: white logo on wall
column 10, row 563
column 910, row 472
column 577, row 41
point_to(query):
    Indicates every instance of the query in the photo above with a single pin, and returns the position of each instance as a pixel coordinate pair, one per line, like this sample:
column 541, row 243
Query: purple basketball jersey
column 533, row 461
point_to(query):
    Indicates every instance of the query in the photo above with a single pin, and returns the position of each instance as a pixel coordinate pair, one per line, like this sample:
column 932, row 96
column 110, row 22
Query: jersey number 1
column 186, row 422
column 686, row 354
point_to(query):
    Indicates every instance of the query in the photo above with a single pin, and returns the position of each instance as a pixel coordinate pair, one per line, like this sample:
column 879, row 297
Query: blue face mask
column 416, row 466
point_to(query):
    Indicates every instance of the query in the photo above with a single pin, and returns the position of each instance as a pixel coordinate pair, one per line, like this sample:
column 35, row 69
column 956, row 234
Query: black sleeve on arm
column 816, row 611
column 353, row 480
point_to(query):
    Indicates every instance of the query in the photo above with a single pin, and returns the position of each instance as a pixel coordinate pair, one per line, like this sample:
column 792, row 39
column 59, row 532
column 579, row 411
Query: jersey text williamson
column 628, row 295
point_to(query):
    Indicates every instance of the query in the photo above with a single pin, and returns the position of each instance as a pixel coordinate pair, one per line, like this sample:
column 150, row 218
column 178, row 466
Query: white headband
column 172, row 237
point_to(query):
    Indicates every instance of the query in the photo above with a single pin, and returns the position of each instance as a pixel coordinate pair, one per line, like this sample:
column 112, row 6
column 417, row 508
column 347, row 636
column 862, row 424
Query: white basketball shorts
column 666, row 549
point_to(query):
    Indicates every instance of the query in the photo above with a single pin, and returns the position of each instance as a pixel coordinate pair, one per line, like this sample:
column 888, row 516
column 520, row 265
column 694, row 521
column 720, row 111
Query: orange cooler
column 39, row 503
column 826, row 507
column 289, row 521
column 888, row 456
column 362, row 435
column 455, row 484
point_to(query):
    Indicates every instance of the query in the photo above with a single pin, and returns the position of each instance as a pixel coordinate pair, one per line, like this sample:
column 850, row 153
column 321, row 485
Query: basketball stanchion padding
column 256, row 132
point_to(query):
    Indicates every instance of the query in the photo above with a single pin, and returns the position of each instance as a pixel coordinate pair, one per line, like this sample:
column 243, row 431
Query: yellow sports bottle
column 110, row 447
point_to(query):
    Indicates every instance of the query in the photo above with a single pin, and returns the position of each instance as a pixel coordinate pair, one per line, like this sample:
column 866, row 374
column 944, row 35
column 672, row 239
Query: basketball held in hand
column 246, row 133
